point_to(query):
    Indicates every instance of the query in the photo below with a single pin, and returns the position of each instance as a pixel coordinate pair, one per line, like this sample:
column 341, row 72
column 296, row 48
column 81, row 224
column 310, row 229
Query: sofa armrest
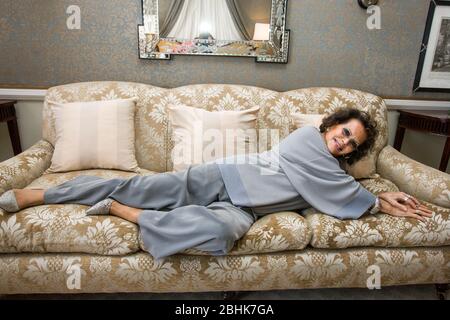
column 19, row 171
column 415, row 178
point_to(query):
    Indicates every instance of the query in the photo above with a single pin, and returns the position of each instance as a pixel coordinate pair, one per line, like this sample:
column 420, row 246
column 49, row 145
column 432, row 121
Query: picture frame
column 269, row 45
column 433, row 70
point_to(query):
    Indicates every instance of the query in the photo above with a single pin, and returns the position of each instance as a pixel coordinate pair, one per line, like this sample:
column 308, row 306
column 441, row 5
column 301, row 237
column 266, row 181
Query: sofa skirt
column 139, row 272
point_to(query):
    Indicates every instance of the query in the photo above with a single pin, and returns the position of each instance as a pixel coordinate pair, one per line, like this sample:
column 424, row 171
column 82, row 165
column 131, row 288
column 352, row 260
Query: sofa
column 43, row 248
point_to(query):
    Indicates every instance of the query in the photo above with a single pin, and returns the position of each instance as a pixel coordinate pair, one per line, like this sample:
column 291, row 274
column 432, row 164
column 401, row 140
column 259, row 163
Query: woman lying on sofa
column 210, row 206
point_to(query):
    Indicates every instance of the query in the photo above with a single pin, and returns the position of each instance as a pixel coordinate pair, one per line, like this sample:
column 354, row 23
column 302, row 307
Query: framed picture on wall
column 433, row 71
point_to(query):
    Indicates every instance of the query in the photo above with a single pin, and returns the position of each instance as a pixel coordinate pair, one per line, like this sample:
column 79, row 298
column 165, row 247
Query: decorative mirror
column 239, row 28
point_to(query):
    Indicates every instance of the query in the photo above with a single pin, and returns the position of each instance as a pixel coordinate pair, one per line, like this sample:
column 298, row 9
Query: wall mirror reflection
column 243, row 28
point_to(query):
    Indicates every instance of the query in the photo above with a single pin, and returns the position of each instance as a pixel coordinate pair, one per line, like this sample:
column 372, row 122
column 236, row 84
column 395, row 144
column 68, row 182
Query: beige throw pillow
column 363, row 169
column 201, row 136
column 300, row 120
column 94, row 135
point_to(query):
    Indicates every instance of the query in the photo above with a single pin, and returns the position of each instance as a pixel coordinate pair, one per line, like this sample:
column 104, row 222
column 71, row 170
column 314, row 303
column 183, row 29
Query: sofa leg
column 441, row 290
column 230, row 295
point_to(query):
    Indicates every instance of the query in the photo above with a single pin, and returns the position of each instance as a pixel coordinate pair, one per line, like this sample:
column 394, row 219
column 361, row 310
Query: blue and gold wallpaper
column 330, row 46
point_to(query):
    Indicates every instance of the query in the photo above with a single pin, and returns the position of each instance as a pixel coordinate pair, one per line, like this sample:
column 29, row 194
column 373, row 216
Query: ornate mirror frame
column 274, row 50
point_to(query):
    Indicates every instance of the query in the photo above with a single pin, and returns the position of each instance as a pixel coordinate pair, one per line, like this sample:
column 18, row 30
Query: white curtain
column 205, row 16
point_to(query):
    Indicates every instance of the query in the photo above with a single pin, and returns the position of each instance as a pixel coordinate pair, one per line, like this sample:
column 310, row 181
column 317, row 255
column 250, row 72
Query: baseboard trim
column 23, row 94
column 392, row 104
column 398, row 104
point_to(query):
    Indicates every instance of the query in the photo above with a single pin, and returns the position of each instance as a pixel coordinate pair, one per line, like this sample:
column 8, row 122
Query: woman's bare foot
column 29, row 197
column 125, row 212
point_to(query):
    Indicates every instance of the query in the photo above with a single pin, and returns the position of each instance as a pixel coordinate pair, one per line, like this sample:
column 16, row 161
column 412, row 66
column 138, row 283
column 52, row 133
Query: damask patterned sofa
column 42, row 248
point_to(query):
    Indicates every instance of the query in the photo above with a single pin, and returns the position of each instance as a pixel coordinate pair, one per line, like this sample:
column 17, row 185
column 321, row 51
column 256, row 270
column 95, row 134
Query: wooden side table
column 8, row 114
column 436, row 122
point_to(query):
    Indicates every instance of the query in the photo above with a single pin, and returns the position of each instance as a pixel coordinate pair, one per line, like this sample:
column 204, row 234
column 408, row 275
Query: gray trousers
column 181, row 210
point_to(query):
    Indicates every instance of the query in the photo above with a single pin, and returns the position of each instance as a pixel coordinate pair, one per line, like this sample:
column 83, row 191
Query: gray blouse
column 298, row 173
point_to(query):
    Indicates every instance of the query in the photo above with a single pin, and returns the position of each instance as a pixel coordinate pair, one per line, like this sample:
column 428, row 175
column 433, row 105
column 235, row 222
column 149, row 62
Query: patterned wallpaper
column 330, row 46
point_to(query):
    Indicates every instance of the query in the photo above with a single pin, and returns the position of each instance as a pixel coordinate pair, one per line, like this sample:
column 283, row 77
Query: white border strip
column 392, row 104
column 23, row 94
column 397, row 104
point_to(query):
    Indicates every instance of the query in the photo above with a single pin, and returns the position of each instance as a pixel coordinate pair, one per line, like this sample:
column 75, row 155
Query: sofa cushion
column 301, row 120
column 95, row 134
column 275, row 232
column 201, row 136
column 381, row 230
column 66, row 228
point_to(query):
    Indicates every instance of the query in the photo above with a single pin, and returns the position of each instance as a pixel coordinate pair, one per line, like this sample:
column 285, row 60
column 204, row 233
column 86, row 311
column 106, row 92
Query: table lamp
column 262, row 33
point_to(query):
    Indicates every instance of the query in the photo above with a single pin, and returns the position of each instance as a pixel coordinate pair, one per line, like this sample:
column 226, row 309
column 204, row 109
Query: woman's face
column 344, row 138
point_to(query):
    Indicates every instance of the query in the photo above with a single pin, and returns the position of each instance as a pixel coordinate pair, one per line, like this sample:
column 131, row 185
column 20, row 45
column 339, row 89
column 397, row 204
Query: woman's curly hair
column 344, row 115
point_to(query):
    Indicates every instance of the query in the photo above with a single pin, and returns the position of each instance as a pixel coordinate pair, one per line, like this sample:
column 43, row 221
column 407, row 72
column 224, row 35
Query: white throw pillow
column 201, row 136
column 94, row 135
column 365, row 168
column 300, row 120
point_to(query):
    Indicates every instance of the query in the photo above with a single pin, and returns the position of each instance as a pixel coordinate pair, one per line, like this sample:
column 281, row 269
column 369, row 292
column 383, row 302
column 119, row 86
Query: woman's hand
column 402, row 201
column 396, row 209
